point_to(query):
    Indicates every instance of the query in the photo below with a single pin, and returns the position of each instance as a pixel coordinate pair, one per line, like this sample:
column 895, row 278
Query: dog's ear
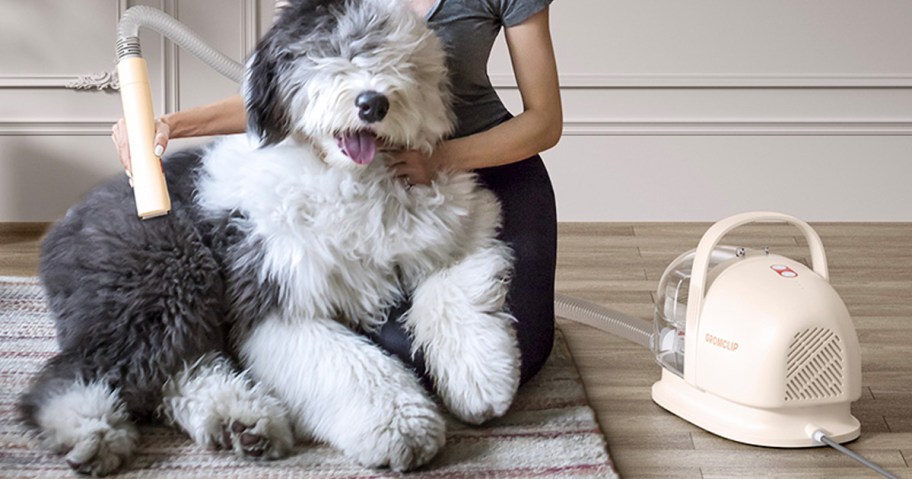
column 267, row 116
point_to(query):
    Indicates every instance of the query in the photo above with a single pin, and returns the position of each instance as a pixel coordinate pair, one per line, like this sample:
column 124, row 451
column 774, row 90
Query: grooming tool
column 149, row 187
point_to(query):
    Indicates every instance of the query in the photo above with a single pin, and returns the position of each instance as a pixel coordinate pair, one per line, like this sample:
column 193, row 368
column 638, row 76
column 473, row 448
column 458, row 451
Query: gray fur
column 134, row 300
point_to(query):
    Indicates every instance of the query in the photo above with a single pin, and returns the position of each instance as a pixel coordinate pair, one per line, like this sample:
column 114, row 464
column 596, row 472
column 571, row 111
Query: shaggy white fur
column 341, row 244
column 458, row 312
column 90, row 426
column 344, row 390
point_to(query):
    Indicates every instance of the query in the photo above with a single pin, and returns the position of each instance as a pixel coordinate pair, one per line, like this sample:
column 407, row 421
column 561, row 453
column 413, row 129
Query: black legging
column 530, row 228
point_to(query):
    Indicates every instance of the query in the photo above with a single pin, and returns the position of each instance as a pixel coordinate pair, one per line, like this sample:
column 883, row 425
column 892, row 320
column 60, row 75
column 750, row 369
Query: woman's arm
column 539, row 126
column 536, row 129
column 223, row 117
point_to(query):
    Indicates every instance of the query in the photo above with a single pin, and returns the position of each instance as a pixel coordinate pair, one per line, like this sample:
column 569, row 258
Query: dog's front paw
column 478, row 381
column 406, row 436
column 484, row 395
column 103, row 451
column 222, row 409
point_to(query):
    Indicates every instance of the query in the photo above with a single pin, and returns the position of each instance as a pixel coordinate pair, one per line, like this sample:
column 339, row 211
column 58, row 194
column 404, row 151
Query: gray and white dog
column 237, row 316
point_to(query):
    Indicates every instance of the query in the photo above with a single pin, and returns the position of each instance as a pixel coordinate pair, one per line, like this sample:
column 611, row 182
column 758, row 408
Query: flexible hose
column 177, row 32
column 615, row 322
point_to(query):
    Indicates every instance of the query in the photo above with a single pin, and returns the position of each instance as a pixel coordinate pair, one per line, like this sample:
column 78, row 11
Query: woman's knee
column 535, row 334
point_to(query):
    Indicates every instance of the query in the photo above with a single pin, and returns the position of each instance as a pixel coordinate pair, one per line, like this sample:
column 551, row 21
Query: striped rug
column 550, row 431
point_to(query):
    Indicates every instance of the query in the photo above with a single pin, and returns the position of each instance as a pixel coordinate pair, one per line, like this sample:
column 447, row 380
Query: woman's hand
column 416, row 167
column 119, row 136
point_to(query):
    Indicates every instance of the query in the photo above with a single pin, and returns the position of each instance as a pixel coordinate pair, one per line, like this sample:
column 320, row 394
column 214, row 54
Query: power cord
column 822, row 438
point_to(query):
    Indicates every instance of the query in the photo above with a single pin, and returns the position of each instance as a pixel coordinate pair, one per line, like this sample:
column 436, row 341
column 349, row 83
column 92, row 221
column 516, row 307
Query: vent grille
column 815, row 366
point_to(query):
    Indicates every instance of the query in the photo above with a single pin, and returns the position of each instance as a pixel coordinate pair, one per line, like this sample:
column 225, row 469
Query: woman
column 501, row 149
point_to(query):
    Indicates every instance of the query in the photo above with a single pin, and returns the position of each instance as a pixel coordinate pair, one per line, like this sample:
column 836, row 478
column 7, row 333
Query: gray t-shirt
column 468, row 29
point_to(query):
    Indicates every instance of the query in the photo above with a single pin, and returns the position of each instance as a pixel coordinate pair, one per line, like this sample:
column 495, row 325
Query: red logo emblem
column 784, row 271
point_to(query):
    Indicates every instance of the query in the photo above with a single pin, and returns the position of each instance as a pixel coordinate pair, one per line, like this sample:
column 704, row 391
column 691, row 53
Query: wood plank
column 845, row 472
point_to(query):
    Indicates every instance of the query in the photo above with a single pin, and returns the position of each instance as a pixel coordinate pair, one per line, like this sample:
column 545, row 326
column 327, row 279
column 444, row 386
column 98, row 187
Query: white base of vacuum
column 783, row 427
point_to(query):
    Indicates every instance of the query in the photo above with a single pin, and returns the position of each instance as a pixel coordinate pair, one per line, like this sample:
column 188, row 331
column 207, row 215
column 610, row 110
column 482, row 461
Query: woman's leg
column 530, row 229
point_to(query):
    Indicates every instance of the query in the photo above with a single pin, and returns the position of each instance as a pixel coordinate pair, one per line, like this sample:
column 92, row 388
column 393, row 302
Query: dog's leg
column 220, row 407
column 458, row 320
column 86, row 422
column 344, row 390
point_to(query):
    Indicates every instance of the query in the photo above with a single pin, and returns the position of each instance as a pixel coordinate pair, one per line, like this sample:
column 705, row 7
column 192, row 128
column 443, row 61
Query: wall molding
column 606, row 81
column 250, row 26
column 57, row 127
column 100, row 81
column 571, row 128
column 570, row 81
column 37, row 81
column 738, row 128
column 170, row 64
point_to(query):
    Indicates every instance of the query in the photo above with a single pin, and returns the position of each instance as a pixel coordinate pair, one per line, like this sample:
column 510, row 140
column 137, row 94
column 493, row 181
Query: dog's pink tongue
column 360, row 146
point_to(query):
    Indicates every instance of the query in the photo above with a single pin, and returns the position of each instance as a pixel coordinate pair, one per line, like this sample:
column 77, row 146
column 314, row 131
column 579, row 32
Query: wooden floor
column 618, row 265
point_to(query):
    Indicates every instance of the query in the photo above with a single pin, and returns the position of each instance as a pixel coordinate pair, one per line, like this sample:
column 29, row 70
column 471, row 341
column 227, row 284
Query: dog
column 239, row 316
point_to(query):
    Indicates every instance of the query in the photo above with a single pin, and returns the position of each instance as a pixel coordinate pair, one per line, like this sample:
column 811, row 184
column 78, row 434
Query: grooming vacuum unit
column 754, row 346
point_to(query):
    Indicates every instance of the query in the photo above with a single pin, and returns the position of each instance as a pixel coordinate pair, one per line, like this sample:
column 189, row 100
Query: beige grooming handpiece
column 149, row 187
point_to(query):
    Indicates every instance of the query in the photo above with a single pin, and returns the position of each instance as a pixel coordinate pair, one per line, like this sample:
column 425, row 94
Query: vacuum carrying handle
column 149, row 187
column 715, row 233
column 700, row 268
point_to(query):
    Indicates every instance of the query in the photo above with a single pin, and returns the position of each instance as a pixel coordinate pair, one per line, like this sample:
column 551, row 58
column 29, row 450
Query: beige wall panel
column 705, row 178
column 731, row 37
column 40, row 177
column 221, row 27
column 53, row 37
column 734, row 105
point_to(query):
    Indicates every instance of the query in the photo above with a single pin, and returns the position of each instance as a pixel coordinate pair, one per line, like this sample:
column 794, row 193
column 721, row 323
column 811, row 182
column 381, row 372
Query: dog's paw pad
column 254, row 441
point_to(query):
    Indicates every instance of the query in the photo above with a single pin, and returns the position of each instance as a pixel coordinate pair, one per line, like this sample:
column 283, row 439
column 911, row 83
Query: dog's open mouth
column 359, row 145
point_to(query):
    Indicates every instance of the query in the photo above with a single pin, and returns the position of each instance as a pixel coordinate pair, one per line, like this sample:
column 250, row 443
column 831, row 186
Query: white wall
column 674, row 110
column 693, row 110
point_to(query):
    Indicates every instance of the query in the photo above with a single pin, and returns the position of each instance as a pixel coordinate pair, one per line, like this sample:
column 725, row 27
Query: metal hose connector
column 128, row 47
column 615, row 322
column 177, row 32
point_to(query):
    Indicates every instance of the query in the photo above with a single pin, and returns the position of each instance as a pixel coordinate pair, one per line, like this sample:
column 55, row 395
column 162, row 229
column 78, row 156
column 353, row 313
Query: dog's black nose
column 372, row 106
